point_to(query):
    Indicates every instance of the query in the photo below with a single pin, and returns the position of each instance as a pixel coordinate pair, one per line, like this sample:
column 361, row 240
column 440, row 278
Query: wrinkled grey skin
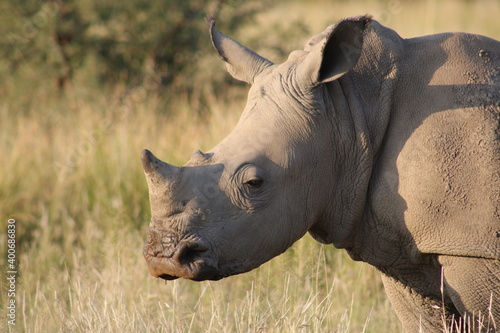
column 386, row 147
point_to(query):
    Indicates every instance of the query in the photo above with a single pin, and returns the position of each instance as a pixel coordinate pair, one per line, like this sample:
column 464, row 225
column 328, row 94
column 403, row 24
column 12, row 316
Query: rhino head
column 270, row 181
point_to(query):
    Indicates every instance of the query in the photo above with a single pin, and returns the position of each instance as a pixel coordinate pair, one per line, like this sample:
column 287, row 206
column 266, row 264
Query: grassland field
column 71, row 179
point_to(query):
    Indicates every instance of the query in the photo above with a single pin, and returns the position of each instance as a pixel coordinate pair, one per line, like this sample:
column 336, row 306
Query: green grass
column 71, row 177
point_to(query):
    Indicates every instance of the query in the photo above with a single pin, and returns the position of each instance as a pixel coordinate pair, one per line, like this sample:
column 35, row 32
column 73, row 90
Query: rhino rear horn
column 242, row 63
column 154, row 167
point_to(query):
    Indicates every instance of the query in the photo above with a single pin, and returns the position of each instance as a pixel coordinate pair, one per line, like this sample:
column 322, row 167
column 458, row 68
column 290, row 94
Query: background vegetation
column 85, row 86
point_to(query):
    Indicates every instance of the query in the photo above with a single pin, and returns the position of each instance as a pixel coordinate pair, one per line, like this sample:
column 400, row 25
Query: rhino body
column 386, row 147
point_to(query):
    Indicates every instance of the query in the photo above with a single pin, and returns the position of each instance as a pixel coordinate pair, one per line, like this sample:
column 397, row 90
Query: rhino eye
column 254, row 183
column 251, row 187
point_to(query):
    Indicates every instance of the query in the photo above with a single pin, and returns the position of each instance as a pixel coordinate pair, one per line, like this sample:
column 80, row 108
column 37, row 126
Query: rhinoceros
column 385, row 147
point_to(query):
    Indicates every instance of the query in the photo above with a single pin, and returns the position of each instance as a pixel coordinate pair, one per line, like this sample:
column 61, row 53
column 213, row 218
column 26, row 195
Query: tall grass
column 81, row 232
column 72, row 180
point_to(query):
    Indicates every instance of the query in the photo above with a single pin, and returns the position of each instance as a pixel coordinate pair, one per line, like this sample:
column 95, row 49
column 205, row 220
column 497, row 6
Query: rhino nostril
column 190, row 252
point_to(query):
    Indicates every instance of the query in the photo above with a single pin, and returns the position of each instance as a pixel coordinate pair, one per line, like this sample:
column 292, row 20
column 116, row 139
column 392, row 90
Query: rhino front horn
column 154, row 167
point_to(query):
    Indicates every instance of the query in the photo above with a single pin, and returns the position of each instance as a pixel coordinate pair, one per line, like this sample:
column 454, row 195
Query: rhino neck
column 361, row 101
column 370, row 85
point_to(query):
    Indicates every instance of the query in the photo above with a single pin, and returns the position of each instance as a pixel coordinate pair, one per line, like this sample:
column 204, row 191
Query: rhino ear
column 242, row 63
column 337, row 53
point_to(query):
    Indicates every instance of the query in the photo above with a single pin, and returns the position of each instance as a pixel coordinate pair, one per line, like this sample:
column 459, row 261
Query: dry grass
column 81, row 231
column 71, row 178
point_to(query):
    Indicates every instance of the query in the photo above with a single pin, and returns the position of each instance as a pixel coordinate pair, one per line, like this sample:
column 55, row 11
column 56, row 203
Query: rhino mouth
column 189, row 262
column 201, row 277
column 168, row 277
column 196, row 271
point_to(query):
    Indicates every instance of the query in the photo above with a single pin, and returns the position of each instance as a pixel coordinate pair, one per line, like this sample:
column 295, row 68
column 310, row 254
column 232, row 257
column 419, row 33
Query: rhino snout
column 170, row 258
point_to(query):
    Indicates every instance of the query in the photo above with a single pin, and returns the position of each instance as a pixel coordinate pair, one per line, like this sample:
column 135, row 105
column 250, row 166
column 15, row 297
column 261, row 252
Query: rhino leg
column 473, row 284
column 419, row 306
